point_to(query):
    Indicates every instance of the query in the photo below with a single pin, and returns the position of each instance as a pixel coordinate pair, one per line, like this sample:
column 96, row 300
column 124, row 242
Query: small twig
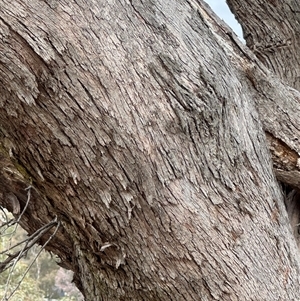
column 17, row 256
column 33, row 261
column 38, row 233
column 28, row 189
column 12, row 259
column 29, row 242
column 16, row 222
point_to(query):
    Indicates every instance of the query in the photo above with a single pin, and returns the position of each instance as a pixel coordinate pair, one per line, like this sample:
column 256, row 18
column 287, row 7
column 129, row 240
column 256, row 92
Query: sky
column 221, row 9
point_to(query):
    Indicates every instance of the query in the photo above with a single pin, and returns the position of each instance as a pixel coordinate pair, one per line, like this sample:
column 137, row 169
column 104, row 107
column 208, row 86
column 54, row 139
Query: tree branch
column 271, row 30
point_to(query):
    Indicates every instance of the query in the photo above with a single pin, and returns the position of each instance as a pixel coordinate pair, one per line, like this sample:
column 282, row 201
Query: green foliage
column 28, row 289
column 68, row 298
column 43, row 279
column 11, row 278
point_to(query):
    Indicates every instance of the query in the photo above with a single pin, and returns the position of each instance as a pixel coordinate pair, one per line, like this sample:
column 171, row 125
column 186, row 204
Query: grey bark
column 271, row 30
column 141, row 126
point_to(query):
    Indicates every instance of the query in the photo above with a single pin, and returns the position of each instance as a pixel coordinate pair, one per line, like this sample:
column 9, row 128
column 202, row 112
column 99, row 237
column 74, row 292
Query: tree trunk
column 141, row 126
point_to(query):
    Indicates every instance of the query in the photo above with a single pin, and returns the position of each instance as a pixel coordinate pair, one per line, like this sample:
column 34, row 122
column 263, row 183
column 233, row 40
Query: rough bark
column 271, row 30
column 273, row 34
column 141, row 126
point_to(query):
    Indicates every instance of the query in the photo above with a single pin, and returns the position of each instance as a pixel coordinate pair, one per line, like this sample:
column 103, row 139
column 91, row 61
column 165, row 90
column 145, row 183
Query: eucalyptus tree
column 150, row 141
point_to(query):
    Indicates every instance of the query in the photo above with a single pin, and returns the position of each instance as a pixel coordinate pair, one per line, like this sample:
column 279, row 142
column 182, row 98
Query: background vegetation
column 45, row 280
